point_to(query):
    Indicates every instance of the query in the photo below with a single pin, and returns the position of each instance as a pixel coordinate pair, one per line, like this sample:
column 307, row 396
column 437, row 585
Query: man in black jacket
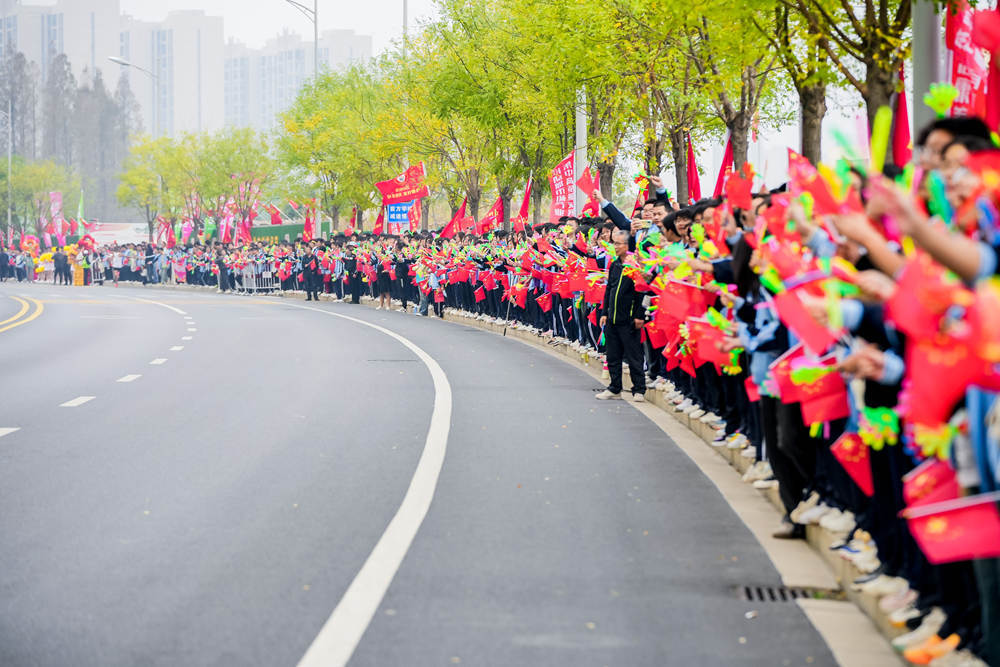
column 623, row 319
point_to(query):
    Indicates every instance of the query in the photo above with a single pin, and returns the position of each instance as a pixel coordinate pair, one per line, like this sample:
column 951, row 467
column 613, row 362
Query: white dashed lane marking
column 7, row 430
column 186, row 337
column 79, row 400
column 176, row 348
column 158, row 362
column 191, row 329
column 129, row 378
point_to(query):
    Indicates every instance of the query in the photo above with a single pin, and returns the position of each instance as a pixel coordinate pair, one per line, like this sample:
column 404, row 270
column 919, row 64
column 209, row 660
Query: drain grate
column 772, row 593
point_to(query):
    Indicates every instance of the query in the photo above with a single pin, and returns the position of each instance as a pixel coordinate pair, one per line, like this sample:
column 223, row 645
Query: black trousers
column 622, row 341
column 313, row 282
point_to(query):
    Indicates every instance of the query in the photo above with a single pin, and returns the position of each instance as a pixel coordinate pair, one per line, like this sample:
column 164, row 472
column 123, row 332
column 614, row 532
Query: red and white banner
column 969, row 63
column 563, row 187
column 413, row 215
column 522, row 214
column 406, row 187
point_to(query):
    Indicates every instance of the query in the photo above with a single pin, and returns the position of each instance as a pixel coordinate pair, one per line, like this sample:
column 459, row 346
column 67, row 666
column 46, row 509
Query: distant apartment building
column 183, row 74
column 179, row 70
column 85, row 30
column 261, row 83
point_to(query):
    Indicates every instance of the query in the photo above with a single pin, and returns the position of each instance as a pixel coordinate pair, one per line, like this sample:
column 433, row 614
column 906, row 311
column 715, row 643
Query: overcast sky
column 254, row 21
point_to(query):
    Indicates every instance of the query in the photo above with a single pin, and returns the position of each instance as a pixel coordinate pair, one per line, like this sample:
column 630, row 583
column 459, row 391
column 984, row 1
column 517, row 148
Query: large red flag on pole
column 693, row 179
column 727, row 166
column 492, row 219
column 456, row 221
column 522, row 214
column 901, row 149
column 406, row 187
column 379, row 222
column 563, row 189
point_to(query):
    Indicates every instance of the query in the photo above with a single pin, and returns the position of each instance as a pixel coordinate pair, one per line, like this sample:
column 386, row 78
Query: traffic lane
column 269, row 481
column 77, row 345
column 566, row 531
column 11, row 306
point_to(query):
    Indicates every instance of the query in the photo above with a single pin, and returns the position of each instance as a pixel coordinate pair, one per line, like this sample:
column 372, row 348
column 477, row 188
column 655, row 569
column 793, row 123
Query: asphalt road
column 215, row 509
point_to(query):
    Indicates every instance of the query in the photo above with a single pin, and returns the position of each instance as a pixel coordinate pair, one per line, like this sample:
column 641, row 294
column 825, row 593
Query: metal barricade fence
column 259, row 277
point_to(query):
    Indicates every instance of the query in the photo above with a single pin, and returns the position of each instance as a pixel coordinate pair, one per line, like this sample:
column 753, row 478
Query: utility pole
column 10, row 161
column 926, row 59
column 580, row 150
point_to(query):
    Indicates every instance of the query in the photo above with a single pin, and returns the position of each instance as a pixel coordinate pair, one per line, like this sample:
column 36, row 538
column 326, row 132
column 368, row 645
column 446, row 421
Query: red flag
column 480, row 294
column 406, row 187
column 522, row 214
column 308, row 227
column 413, row 215
column 453, row 225
column 932, row 481
column 640, row 199
column 589, row 181
column 561, row 184
column 545, row 302
column 955, row 530
column 753, row 393
column 379, row 222
column 853, row 456
column 727, row 166
column 350, row 225
column 795, row 316
column 293, row 205
column 493, row 218
column 901, row 150
column 693, row 179
column 275, row 214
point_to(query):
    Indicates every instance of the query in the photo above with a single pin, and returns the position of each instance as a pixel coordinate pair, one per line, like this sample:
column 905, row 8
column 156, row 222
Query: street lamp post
column 156, row 88
column 10, row 160
column 312, row 15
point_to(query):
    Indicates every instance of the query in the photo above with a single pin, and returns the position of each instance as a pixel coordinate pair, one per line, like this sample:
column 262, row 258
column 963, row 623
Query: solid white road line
column 156, row 303
column 129, row 378
column 341, row 633
column 8, row 430
column 79, row 400
column 186, row 337
column 176, row 348
column 157, row 362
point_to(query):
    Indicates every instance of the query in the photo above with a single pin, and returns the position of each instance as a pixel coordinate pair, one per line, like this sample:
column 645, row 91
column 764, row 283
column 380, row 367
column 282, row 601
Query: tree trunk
column 739, row 130
column 357, row 223
column 425, row 211
column 335, row 218
column 473, row 207
column 880, row 85
column 607, row 171
column 812, row 101
column 678, row 150
column 536, row 204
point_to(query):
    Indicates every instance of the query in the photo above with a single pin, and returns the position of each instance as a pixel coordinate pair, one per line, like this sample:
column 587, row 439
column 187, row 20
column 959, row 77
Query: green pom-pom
column 940, row 98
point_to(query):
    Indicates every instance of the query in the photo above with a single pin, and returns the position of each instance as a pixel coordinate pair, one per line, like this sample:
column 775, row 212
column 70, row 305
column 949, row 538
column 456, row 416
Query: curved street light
column 156, row 88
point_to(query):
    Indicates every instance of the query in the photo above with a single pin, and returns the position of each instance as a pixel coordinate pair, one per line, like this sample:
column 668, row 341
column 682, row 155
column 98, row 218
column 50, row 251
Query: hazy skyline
column 255, row 21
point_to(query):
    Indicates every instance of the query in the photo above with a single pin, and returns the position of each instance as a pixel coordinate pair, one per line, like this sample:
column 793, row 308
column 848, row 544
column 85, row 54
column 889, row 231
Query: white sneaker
column 697, row 413
column 738, row 441
column 931, row 624
column 607, row 394
column 749, row 452
column 720, row 440
column 684, row 405
column 885, row 585
column 841, row 524
column 813, row 515
column 764, row 484
column 638, row 398
column 899, row 617
column 379, row 307
column 758, row 471
column 805, row 504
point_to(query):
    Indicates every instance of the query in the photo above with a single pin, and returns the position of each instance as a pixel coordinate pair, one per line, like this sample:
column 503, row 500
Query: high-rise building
column 85, row 30
column 181, row 63
column 261, row 83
